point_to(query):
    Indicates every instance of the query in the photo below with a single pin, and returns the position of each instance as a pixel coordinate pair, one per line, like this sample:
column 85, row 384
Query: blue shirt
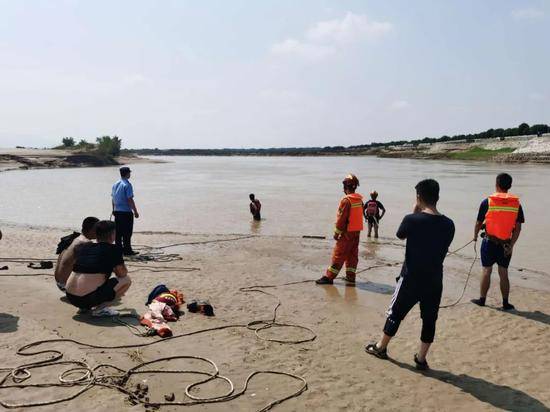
column 122, row 191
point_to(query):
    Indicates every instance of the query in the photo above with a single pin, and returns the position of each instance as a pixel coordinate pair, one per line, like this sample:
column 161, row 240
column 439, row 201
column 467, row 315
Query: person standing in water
column 124, row 210
column 429, row 235
column 255, row 207
column 347, row 231
column 503, row 216
column 372, row 213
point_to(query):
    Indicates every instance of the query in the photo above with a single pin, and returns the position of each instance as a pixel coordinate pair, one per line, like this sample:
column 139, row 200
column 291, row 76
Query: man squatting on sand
column 347, row 232
column 429, row 235
column 502, row 215
column 90, row 286
column 66, row 259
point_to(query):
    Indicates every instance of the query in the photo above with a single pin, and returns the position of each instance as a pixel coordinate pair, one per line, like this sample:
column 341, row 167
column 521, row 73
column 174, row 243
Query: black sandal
column 421, row 366
column 376, row 351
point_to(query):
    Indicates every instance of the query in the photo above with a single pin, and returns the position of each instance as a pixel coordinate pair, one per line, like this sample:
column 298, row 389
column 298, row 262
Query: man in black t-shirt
column 429, row 235
column 90, row 285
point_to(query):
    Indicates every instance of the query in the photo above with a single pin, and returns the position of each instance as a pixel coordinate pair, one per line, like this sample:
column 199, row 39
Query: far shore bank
column 517, row 149
column 23, row 158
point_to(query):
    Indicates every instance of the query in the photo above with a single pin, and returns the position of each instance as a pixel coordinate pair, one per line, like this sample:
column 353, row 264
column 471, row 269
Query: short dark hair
column 103, row 229
column 504, row 181
column 124, row 171
column 251, row 196
column 428, row 191
column 89, row 223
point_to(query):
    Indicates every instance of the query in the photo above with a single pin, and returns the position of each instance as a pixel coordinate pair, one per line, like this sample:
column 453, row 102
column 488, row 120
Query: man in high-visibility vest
column 502, row 215
column 347, row 230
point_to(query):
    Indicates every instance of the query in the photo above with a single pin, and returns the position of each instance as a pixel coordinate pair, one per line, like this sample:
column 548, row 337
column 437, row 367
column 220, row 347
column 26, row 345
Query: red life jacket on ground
column 355, row 221
column 502, row 215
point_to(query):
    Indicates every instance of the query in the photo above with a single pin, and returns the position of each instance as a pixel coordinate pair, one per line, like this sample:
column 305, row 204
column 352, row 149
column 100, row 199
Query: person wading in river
column 372, row 213
column 255, row 207
column 502, row 215
column 347, row 231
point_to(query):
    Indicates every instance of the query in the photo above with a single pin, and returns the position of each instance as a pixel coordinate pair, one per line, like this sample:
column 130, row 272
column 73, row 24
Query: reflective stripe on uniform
column 504, row 208
column 338, row 231
column 334, row 270
column 352, row 270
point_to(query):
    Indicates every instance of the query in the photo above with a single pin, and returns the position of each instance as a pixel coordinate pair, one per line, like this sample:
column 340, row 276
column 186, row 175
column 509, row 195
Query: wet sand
column 483, row 359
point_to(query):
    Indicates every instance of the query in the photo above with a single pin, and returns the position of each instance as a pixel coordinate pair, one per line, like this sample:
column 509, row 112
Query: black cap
column 124, row 170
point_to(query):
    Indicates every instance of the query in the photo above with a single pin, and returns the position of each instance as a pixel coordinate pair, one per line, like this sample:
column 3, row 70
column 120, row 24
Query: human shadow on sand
column 500, row 396
column 374, row 287
column 8, row 323
column 536, row 315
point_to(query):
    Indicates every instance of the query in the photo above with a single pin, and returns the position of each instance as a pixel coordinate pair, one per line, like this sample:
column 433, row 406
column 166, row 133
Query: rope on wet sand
column 88, row 377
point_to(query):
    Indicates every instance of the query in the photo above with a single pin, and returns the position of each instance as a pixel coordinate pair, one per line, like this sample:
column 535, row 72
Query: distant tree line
column 522, row 130
column 104, row 145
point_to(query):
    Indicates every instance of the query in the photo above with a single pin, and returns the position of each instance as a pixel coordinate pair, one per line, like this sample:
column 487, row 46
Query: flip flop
column 421, row 366
column 374, row 350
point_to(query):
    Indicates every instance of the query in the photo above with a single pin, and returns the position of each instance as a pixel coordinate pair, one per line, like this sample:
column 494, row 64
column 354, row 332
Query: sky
column 269, row 73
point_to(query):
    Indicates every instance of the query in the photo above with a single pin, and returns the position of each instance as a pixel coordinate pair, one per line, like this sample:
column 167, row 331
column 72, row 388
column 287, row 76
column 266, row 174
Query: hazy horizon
column 244, row 74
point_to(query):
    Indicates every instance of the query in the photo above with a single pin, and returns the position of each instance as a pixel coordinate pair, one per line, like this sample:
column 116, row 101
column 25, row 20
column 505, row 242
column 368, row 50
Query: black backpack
column 65, row 242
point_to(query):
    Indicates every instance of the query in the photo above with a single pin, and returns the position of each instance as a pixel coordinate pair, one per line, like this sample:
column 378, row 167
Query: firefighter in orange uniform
column 502, row 216
column 349, row 224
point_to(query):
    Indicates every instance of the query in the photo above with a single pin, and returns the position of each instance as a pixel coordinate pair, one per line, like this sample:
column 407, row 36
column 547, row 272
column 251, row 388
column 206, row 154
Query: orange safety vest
column 502, row 215
column 355, row 221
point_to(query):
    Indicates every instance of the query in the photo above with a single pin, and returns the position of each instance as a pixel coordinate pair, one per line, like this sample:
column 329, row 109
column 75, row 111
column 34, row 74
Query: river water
column 299, row 195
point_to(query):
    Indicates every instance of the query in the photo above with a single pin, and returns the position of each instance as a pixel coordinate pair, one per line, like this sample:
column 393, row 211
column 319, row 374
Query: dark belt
column 497, row 240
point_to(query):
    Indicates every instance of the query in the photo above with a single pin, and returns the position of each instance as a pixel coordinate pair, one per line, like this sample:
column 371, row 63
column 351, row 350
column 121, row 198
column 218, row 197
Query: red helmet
column 351, row 181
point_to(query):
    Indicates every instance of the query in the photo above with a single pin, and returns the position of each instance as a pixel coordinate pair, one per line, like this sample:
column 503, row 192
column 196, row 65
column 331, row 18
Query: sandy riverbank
column 14, row 159
column 483, row 359
column 520, row 149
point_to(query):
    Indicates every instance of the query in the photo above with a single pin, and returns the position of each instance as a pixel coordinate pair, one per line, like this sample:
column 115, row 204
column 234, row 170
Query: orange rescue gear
column 502, row 215
column 349, row 217
column 355, row 220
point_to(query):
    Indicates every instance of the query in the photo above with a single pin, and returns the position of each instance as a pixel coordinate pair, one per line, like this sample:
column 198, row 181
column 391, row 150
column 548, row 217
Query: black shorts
column 373, row 220
column 409, row 292
column 492, row 253
column 104, row 293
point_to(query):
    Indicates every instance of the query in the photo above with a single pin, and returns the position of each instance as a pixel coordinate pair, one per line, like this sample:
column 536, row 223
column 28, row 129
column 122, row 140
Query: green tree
column 109, row 146
column 84, row 145
column 68, row 142
column 523, row 129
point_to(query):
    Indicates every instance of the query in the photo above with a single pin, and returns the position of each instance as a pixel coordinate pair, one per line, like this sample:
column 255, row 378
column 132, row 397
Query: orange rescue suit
column 501, row 217
column 349, row 224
